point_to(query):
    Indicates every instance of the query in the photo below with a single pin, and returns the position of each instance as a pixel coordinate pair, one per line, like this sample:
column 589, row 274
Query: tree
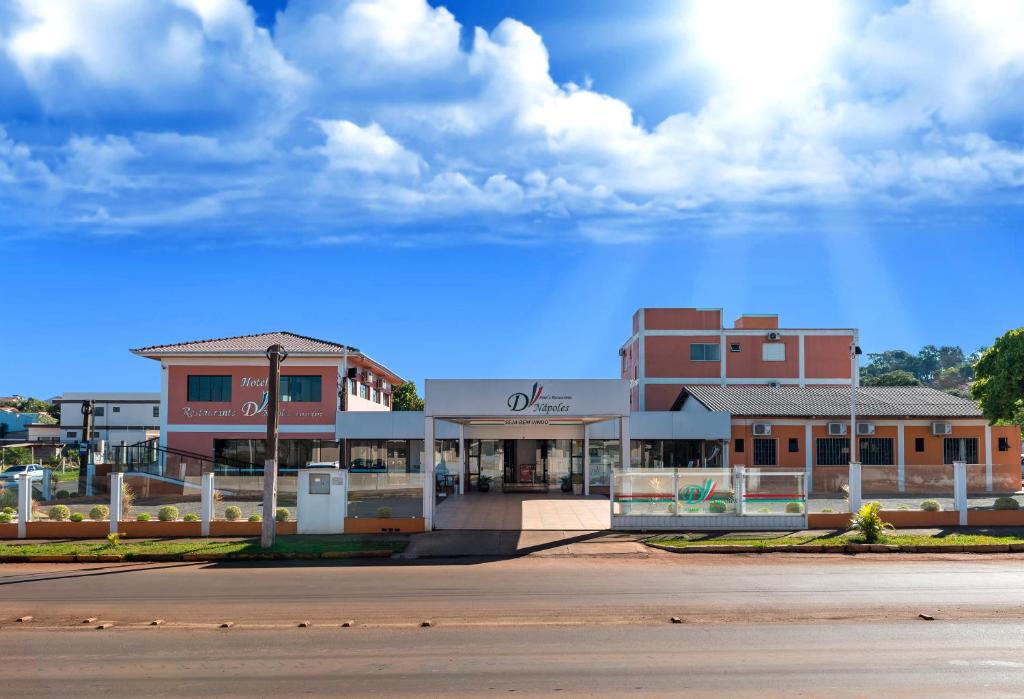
column 404, row 397
column 999, row 378
column 12, row 456
column 892, row 378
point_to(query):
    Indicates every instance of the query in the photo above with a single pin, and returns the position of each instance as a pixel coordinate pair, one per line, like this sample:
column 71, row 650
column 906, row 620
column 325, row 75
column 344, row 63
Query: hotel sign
column 531, row 399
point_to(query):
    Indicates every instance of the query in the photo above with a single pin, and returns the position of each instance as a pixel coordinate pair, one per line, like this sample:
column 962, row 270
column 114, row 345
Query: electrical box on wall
column 321, row 500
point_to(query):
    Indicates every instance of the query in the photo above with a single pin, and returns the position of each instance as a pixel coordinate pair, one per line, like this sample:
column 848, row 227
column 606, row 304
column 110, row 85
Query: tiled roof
column 833, row 401
column 250, row 344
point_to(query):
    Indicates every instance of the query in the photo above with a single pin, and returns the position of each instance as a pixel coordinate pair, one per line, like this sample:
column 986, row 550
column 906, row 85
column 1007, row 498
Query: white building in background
column 118, row 418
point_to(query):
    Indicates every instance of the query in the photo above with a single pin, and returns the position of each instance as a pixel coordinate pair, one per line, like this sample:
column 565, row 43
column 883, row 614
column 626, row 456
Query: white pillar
column 901, row 458
column 206, row 503
column 960, row 490
column 988, row 458
column 24, row 503
column 855, row 484
column 739, row 489
column 624, row 443
column 428, row 474
column 808, row 454
column 586, row 459
column 463, row 461
column 116, row 489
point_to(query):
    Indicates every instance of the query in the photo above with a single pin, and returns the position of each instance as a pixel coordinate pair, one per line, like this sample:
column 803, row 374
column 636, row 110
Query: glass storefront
column 675, row 453
column 604, row 456
column 397, row 455
column 292, row 453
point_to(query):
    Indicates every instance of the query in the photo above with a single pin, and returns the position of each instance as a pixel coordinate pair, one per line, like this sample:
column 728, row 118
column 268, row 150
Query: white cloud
column 366, row 149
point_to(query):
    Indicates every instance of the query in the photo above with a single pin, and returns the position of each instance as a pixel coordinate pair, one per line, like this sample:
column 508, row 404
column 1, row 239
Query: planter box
column 157, row 529
column 9, row 530
column 911, row 519
column 223, row 527
column 995, row 518
column 383, row 525
column 828, row 520
column 88, row 529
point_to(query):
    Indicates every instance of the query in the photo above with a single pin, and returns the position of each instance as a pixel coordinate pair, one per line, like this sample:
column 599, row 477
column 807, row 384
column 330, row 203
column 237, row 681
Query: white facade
column 118, row 418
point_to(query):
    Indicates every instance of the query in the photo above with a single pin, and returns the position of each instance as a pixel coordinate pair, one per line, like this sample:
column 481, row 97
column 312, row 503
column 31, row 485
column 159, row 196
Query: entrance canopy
column 569, row 401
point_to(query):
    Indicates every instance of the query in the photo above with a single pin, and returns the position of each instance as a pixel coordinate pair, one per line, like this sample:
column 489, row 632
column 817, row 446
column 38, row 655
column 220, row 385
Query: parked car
column 9, row 477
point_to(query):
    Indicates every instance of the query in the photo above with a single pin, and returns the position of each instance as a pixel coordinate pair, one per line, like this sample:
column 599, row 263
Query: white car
column 9, row 477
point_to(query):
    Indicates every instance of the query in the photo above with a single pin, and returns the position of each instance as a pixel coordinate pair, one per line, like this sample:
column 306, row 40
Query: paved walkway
column 518, row 511
column 456, row 543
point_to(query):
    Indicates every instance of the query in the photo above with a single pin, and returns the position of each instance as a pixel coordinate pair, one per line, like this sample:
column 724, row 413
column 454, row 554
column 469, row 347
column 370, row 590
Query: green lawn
column 952, row 539
column 134, row 547
column 63, row 476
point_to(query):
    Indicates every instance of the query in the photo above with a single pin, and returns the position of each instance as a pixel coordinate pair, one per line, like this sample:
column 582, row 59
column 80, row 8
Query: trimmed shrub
column 764, row 510
column 255, row 518
column 232, row 513
column 1006, row 503
column 100, row 512
column 6, row 517
column 827, row 510
column 10, row 510
column 716, row 506
column 143, row 517
column 282, row 514
column 63, row 495
column 167, row 513
column 384, row 512
column 903, row 507
column 191, row 517
column 794, row 508
column 59, row 513
column 77, row 517
column 931, row 506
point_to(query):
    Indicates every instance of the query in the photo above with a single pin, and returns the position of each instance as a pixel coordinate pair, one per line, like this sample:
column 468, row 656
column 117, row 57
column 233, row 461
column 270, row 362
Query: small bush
column 1006, row 503
column 794, row 508
column 384, row 512
column 77, row 517
column 143, row 517
column 63, row 495
column 716, row 506
column 114, row 539
column 167, row 513
column 191, row 517
column 829, row 510
column 100, row 512
column 59, row 513
column 868, row 521
column 6, row 517
column 903, row 507
column 931, row 506
column 282, row 514
column 232, row 513
column 10, row 510
column 255, row 518
column 764, row 510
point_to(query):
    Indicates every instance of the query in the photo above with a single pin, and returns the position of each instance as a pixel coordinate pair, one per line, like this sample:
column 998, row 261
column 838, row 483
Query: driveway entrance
column 537, row 511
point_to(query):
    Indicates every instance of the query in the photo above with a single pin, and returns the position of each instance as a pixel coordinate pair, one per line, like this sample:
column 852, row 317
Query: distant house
column 118, row 418
column 14, row 425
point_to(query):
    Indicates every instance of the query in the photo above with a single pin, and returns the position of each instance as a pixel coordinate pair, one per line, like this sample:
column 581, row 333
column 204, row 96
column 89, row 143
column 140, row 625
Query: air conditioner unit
column 865, row 428
column 836, row 429
column 762, row 429
column 941, row 428
column 774, row 336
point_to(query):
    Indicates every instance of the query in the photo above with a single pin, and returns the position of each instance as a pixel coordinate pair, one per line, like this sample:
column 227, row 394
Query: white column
column 901, row 458
column 988, row 458
column 624, row 443
column 206, row 503
column 463, row 461
column 24, row 503
column 428, row 474
column 116, row 488
column 855, row 487
column 808, row 453
column 586, row 459
column 739, row 489
column 960, row 490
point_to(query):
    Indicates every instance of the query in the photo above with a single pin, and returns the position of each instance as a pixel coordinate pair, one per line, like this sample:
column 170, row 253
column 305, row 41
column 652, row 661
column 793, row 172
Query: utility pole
column 276, row 355
column 855, row 352
column 84, row 450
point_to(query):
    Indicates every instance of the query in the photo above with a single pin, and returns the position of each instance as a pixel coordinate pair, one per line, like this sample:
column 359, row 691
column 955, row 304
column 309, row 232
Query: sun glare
column 765, row 51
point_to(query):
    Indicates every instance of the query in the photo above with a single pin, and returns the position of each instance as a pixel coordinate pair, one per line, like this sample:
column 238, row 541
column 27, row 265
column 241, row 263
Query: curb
column 844, row 548
column 196, row 557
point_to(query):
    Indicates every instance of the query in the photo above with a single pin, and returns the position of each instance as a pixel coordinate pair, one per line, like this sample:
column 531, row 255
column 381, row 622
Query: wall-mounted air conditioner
column 836, row 429
column 774, row 336
column 865, row 428
column 941, row 428
column 762, row 429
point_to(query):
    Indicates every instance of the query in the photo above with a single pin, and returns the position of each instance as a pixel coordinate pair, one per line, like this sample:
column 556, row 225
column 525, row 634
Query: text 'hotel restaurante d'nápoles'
column 692, row 393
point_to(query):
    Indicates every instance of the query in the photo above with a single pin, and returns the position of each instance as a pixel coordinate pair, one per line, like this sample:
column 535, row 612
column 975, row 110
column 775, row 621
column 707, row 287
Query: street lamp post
column 855, row 352
column 276, row 355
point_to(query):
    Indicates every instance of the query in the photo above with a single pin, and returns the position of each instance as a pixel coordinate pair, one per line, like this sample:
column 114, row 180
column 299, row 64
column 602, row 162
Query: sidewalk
column 506, row 543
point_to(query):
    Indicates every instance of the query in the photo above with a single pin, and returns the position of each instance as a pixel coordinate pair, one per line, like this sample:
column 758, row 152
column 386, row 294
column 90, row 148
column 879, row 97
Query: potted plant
column 577, row 483
column 567, row 483
column 483, row 484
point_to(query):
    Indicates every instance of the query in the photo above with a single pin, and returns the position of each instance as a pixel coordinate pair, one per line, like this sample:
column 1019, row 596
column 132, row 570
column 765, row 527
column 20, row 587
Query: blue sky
column 491, row 189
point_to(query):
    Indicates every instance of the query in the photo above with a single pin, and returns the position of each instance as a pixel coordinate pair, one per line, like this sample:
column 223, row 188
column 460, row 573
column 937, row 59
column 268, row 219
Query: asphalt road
column 890, row 659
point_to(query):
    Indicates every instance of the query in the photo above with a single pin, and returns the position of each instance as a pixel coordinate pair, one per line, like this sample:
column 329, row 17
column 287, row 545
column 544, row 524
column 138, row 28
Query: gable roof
column 830, row 401
column 251, row 344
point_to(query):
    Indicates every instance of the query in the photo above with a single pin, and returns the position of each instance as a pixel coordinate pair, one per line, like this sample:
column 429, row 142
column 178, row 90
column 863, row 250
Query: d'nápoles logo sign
column 536, row 402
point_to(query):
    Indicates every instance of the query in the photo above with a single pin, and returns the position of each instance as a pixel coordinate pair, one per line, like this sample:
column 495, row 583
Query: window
column 354, row 386
column 300, row 389
column 738, row 446
column 72, row 435
column 704, row 352
column 734, row 347
column 116, row 409
column 764, row 451
column 1004, row 444
column 773, row 352
column 960, row 449
column 364, row 391
column 98, row 411
column 794, row 445
column 209, row 388
column 95, row 434
column 876, row 451
column 833, row 451
column 918, row 444
column 376, row 396
column 387, row 399
column 156, row 411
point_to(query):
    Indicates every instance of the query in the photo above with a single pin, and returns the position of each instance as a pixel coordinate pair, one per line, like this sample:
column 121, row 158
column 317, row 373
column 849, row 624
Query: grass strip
column 950, row 539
